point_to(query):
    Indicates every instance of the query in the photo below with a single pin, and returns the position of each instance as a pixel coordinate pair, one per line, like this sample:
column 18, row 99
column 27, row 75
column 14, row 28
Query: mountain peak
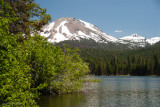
column 69, row 28
column 66, row 19
column 135, row 35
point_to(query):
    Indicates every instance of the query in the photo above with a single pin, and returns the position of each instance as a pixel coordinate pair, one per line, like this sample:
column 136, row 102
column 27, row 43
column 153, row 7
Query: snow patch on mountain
column 68, row 28
column 133, row 38
column 45, row 34
column 50, row 26
column 153, row 40
column 88, row 25
column 59, row 37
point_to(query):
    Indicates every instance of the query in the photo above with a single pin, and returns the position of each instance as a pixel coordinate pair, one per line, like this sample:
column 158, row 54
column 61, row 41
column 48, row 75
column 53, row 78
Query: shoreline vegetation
column 90, row 78
column 31, row 66
column 130, row 75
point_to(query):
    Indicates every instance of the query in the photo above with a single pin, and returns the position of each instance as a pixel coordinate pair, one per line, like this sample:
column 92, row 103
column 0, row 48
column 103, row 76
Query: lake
column 112, row 91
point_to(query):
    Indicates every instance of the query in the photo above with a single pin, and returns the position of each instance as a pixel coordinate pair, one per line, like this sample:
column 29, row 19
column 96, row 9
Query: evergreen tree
column 33, row 66
column 25, row 11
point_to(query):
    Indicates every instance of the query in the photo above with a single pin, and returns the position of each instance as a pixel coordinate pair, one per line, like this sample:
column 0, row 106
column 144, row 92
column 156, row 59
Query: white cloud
column 118, row 31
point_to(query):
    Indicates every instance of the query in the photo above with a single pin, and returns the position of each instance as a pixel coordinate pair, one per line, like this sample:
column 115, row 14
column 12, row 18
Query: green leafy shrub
column 30, row 66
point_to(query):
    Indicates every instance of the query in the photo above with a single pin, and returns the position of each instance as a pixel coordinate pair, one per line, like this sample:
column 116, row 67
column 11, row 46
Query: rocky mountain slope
column 68, row 28
column 73, row 29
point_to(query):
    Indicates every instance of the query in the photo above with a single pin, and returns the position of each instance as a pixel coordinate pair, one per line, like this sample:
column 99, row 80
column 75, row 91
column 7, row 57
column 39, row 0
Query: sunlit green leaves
column 32, row 66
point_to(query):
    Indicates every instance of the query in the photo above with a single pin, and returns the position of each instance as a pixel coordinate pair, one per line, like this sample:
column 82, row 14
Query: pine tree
column 25, row 11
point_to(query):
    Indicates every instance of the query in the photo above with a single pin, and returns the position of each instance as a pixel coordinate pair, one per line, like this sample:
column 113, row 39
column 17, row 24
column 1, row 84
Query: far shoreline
column 123, row 75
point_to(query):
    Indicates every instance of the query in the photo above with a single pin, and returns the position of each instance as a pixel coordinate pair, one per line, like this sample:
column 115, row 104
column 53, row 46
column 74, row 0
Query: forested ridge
column 116, row 59
column 29, row 65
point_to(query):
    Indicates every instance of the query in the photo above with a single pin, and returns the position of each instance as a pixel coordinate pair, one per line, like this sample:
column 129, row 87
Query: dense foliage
column 24, row 13
column 117, row 59
column 31, row 66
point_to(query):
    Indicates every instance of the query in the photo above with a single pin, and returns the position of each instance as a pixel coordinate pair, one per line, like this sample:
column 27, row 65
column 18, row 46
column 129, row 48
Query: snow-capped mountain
column 137, row 40
column 134, row 38
column 68, row 28
column 153, row 40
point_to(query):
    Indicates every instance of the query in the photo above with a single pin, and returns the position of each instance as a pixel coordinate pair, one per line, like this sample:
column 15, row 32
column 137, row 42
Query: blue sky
column 117, row 18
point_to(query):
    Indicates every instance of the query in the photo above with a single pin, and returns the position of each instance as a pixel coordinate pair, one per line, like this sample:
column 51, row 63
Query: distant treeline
column 117, row 59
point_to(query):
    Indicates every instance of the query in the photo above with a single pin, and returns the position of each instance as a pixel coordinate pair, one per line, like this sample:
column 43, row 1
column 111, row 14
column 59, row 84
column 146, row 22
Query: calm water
column 129, row 91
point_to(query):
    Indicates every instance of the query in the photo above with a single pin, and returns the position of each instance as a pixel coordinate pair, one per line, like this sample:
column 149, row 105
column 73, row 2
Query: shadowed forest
column 118, row 59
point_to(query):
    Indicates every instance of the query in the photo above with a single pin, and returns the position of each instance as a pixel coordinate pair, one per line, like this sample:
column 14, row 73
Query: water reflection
column 111, row 92
column 68, row 100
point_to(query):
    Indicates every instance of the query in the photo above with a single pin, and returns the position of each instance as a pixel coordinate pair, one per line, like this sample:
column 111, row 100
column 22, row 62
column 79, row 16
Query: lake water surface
column 112, row 91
